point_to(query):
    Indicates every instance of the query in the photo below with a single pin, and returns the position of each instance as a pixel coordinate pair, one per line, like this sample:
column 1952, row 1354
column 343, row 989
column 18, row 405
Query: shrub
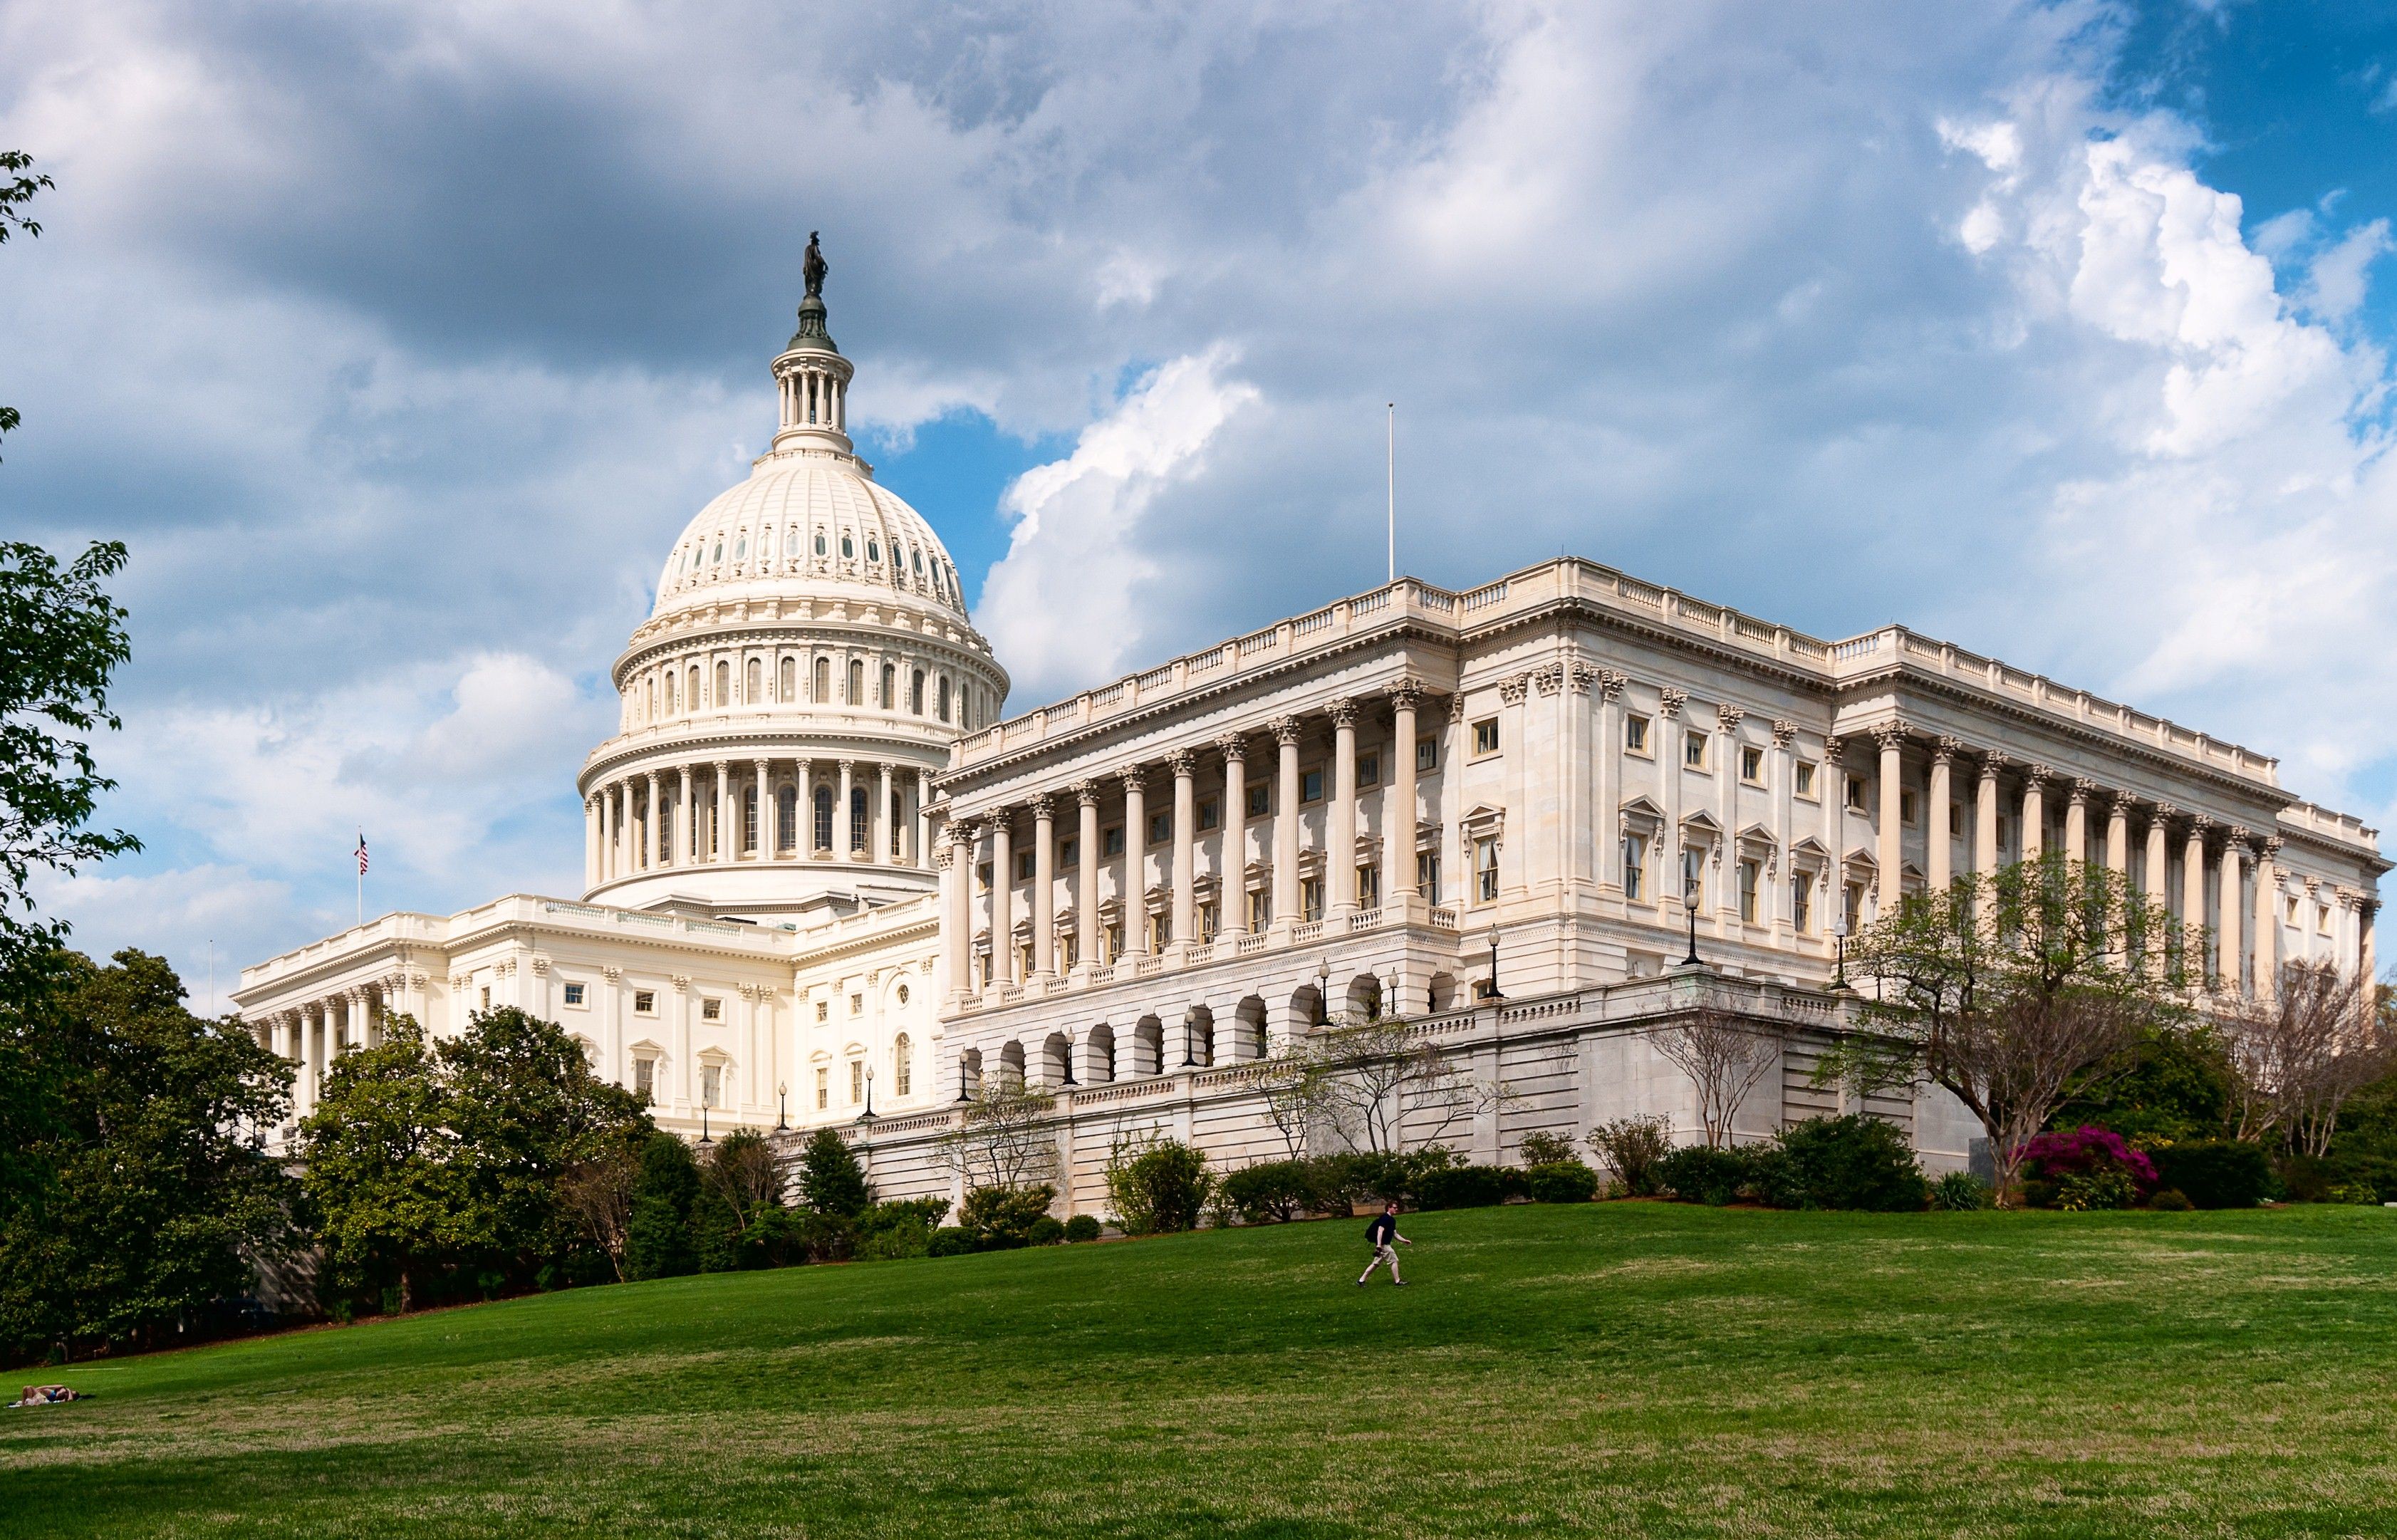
column 2215, row 1173
column 1160, row 1187
column 1467, row 1187
column 1001, row 1218
column 2354, row 1192
column 888, row 1231
column 1376, row 1176
column 2303, row 1179
column 1696, row 1175
column 951, row 1240
column 1851, row 1162
column 658, row 1240
column 1632, row 1148
column 2171, row 1200
column 1561, row 1182
column 2106, row 1187
column 1543, row 1148
column 830, row 1179
column 1275, row 1191
column 1047, row 1230
column 1960, row 1192
column 1081, row 1228
column 2056, row 1155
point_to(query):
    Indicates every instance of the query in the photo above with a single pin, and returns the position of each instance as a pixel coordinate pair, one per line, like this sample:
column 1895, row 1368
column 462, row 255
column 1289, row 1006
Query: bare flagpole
column 1392, row 470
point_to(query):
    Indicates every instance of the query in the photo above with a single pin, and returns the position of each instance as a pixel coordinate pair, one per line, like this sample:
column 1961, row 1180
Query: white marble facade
column 822, row 872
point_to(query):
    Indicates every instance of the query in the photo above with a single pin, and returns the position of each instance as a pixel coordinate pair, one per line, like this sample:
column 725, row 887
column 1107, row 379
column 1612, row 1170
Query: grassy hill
column 1620, row 1368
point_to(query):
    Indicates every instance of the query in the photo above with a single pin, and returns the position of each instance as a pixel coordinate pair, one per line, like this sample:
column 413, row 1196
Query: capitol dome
column 802, row 676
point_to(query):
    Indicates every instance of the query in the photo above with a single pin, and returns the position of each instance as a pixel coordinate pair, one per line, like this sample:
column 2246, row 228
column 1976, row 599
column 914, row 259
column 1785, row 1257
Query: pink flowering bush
column 2086, row 1152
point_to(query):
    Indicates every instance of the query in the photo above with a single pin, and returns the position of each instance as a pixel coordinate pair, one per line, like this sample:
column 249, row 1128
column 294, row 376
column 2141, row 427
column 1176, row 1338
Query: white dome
column 808, row 521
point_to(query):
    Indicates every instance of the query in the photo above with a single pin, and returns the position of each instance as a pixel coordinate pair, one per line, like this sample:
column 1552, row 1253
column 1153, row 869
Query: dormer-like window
column 791, row 541
column 820, row 543
column 740, row 548
column 873, row 550
column 719, row 551
column 918, row 557
column 848, row 546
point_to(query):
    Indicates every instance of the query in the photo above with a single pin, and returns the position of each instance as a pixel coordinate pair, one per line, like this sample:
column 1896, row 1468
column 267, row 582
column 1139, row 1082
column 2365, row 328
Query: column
column 1133, row 890
column 956, row 860
column 1184, row 766
column 2156, row 880
column 1610, row 781
column 589, row 841
column 1399, row 819
column 2118, row 836
column 2034, row 814
column 2268, row 917
column 768, row 841
column 1452, row 857
column 1002, row 887
column 1086, row 876
column 922, row 854
column 2193, row 899
column 1985, row 833
column 1783, row 870
column 1340, row 861
column 1726, row 850
column 2367, row 961
column 1938, row 839
column 1232, row 871
column 844, row 841
column 625, row 830
column 2232, row 887
column 688, row 853
column 1889, row 851
column 1044, row 887
column 653, row 841
column 1285, row 825
column 724, row 849
column 2076, row 823
column 882, row 825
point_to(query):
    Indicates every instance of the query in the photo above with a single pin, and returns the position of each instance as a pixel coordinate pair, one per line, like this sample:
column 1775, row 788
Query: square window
column 1161, row 827
column 645, row 1003
column 1211, row 813
column 574, row 994
column 1909, row 812
column 1635, row 735
column 1024, row 865
column 823, row 1010
column 857, row 1005
column 1803, row 782
column 1856, row 793
column 1751, row 764
column 1426, row 754
column 1260, row 798
column 1369, row 769
column 1069, row 851
column 1311, row 785
column 711, row 1011
column 1111, row 842
column 1485, row 736
column 1693, row 750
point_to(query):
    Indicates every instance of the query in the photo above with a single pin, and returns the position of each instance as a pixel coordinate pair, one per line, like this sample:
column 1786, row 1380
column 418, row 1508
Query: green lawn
column 1626, row 1368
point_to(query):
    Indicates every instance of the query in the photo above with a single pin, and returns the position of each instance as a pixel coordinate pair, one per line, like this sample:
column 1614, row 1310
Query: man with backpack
column 1381, row 1236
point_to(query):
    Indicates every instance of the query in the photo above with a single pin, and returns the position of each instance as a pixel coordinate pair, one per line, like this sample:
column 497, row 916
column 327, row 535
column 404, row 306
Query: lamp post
column 1190, row 1039
column 782, row 1095
column 1069, row 1082
column 1323, row 993
column 866, row 1117
column 1690, row 904
column 704, row 1140
column 1494, row 995
column 963, row 1094
column 1839, row 940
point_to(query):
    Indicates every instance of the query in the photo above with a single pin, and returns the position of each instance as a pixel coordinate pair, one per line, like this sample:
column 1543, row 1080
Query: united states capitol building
column 826, row 874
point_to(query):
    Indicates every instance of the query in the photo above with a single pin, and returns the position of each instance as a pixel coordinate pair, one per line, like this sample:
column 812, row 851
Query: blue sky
column 399, row 342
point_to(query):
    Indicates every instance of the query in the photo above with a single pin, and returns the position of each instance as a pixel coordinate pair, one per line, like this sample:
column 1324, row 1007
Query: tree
column 149, row 1192
column 2298, row 1053
column 18, row 182
column 831, row 1182
column 388, row 1200
column 1724, row 1055
column 1368, row 1081
column 1158, row 1186
column 597, row 1195
column 1006, row 1141
column 658, row 1237
column 2009, row 989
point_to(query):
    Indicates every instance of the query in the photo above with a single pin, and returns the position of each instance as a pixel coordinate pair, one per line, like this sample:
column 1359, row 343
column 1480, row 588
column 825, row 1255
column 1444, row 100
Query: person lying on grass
column 1384, row 1231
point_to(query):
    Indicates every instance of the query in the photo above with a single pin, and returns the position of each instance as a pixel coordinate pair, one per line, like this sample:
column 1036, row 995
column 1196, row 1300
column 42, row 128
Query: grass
column 1628, row 1368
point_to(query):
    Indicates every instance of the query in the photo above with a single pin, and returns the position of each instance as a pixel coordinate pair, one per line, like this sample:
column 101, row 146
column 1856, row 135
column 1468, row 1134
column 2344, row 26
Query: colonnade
column 314, row 1034
column 892, row 680
column 729, row 810
column 1342, row 860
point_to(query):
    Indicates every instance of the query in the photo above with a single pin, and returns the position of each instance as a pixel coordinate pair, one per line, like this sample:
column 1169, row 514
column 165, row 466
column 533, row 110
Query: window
column 902, row 994
column 1853, row 901
column 755, row 673
column 1160, row 932
column 1635, row 868
column 786, row 817
column 749, row 818
column 1112, row 941
column 903, row 1066
column 1069, row 852
column 1801, row 904
column 574, row 994
column 848, row 545
column 1024, row 865
column 857, row 817
column 824, row 1087
column 1111, row 841
column 2292, row 908
column 944, row 712
column 645, row 1003
column 1485, row 871
column 1260, row 909
column 2322, row 920
column 1427, row 755
column 1311, row 785
column 723, row 683
column 1161, row 827
column 1749, row 872
column 856, row 1082
column 1211, row 813
column 1909, row 812
column 1260, row 798
column 823, row 679
column 1751, row 764
column 1069, row 951
column 820, row 543
column 1955, row 820
column 856, row 681
column 1207, row 913
column 1693, row 877
column 1856, row 793
column 1635, row 735
column 823, row 1010
column 711, row 1085
column 1369, row 769
column 889, row 686
column 916, row 692
column 873, row 549
column 645, row 1080
column 711, row 1011
column 790, row 676
column 857, row 1005
column 1485, row 736
column 1369, row 886
column 1693, row 750
column 1310, row 897
column 1427, row 874
column 486, row 996
column 824, row 818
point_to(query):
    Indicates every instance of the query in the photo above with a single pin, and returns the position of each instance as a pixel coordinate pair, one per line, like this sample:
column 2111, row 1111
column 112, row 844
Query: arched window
column 790, row 679
column 723, row 682
column 944, row 701
column 898, row 819
column 856, row 681
column 889, row 686
column 749, row 818
column 857, row 817
column 650, row 698
column 824, row 818
column 848, row 546
column 756, row 692
column 670, row 693
column 690, row 690
column 916, row 693
column 903, row 1064
column 916, row 557
column 786, row 817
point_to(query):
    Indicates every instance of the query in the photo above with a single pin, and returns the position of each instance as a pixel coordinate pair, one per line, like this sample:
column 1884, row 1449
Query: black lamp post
column 866, row 1117
column 782, row 1094
column 1323, row 993
column 1690, row 904
column 1839, row 940
column 704, row 1140
column 1189, row 1040
column 1069, row 1082
column 963, row 1094
column 1494, row 995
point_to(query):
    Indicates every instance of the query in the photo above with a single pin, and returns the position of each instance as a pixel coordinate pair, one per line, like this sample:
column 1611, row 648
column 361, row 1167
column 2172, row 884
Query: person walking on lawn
column 1384, row 1232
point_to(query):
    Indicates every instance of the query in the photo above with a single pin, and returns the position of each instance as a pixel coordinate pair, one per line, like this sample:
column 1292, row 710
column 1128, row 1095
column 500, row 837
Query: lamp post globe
column 1690, row 904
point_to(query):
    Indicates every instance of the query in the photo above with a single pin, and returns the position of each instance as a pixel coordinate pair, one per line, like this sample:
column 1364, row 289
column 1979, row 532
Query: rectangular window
column 1112, row 941
column 823, row 1010
column 824, row 1087
column 1111, row 842
column 1260, row 798
column 1955, row 820
column 1852, row 902
column 1369, row 886
column 645, row 1080
column 1694, row 876
column 982, row 875
column 2322, row 918
column 1856, row 793
column 1909, row 812
column 1160, row 932
column 857, row 1005
column 1803, row 782
column 645, row 1003
column 1635, row 735
column 1485, row 736
column 1310, row 897
column 711, row 1011
column 1207, row 922
column 1635, row 868
column 1751, row 764
column 486, row 996
column 1693, row 750
column 1749, row 874
column 1369, row 769
column 1024, row 865
column 1427, row 755
column 1801, row 904
column 856, row 1082
column 711, row 1085
column 1311, row 785
column 1211, row 813
column 1260, row 909
column 1069, row 852
column 574, row 994
column 1427, row 876
column 1485, row 871
column 1161, row 827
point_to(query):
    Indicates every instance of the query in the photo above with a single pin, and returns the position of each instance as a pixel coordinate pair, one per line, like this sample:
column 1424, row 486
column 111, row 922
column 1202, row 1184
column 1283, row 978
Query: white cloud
column 2335, row 284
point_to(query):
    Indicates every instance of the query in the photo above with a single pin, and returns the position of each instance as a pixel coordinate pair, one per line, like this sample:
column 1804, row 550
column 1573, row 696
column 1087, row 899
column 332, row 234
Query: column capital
column 2269, row 848
column 2162, row 813
column 1581, row 677
column 1670, row 700
column 1890, row 735
column 1456, row 708
column 1086, row 792
column 1785, row 732
column 2083, row 790
column 1728, row 717
column 2200, row 825
column 2235, row 837
column 1407, row 693
column 1136, row 781
column 1946, row 748
column 2035, row 776
column 1550, row 677
column 1233, row 746
column 1993, row 764
column 1285, row 730
column 1611, row 682
column 723, row 767
column 1343, row 711
column 1183, row 763
column 1044, row 805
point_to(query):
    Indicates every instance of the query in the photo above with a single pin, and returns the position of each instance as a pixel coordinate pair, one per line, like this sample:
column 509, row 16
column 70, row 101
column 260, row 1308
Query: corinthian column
column 2192, row 897
column 2034, row 829
column 590, row 842
column 1285, row 824
column 1232, row 880
column 1086, row 876
column 1399, row 802
column 1938, row 840
column 1044, row 887
column 844, row 822
column 2268, row 917
column 1002, row 890
column 1134, row 891
column 2233, row 883
column 688, row 852
column 1184, row 766
column 1890, row 850
column 956, row 860
column 2118, row 835
column 652, row 833
column 1985, row 833
column 2076, row 823
column 882, row 820
column 1341, row 860
column 725, row 843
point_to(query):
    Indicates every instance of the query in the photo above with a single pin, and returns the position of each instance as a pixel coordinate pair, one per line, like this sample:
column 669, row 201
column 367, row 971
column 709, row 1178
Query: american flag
column 362, row 852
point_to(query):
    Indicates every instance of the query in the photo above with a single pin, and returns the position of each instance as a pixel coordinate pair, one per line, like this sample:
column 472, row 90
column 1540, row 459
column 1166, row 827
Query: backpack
column 1374, row 1231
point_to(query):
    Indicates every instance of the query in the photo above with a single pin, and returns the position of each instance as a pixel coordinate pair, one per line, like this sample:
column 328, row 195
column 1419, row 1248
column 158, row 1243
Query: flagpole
column 1392, row 467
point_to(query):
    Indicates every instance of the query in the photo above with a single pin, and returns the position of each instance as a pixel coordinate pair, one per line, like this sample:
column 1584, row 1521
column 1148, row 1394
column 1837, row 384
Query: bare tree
column 1367, row 1078
column 747, row 1175
column 1007, row 1140
column 599, row 1193
column 2299, row 1053
column 1292, row 1085
column 1725, row 1056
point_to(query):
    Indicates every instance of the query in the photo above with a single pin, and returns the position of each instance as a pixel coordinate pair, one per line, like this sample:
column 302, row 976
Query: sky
column 398, row 341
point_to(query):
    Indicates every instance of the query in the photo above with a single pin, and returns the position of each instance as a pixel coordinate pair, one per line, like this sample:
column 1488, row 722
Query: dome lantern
column 811, row 377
